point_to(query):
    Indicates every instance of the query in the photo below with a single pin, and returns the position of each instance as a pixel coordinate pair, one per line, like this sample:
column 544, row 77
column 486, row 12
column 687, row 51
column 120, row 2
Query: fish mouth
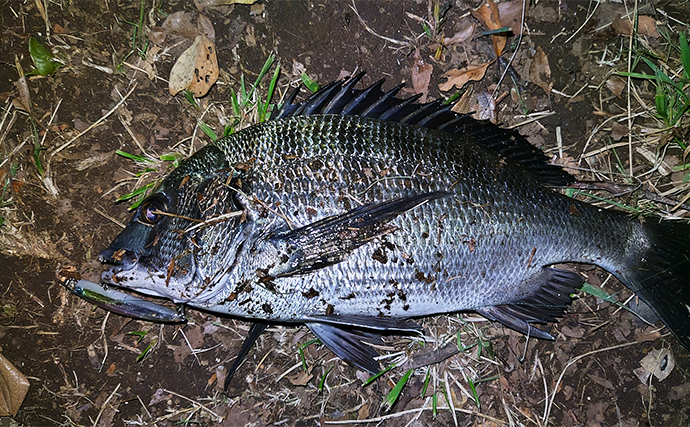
column 121, row 259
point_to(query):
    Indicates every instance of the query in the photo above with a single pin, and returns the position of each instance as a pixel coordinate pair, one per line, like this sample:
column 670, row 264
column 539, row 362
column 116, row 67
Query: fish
column 356, row 212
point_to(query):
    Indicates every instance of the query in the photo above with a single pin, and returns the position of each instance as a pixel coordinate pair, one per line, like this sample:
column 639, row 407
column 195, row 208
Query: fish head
column 163, row 251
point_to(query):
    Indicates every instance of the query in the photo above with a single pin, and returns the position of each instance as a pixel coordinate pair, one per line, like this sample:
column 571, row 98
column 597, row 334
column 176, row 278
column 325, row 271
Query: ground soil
column 83, row 364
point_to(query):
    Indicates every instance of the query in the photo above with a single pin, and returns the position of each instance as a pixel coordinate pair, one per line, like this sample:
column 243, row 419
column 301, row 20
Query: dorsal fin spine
column 342, row 98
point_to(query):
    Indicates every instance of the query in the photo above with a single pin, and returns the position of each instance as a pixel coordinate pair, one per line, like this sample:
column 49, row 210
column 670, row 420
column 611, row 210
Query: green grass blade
column 322, row 383
column 684, row 54
column 602, row 294
column 271, row 89
column 473, row 388
column 311, row 85
column 397, row 390
column 208, row 131
column 135, row 157
column 377, row 376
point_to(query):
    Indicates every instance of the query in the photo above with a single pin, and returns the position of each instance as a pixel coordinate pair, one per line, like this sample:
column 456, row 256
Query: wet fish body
column 356, row 211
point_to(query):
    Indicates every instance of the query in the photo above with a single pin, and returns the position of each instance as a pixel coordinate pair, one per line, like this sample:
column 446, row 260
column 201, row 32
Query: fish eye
column 151, row 209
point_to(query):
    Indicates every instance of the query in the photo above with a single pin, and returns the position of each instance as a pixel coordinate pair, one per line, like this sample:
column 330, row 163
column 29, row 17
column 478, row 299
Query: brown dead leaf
column 616, row 85
column 459, row 78
column 659, row 362
column 460, row 36
column 486, row 107
column 511, row 14
column 13, row 388
column 196, row 69
column 301, row 378
column 188, row 24
column 646, row 26
column 421, row 75
column 487, row 13
column 463, row 104
column 540, row 72
column 618, row 131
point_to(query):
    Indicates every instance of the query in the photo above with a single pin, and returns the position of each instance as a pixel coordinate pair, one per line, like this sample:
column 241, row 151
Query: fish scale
column 353, row 225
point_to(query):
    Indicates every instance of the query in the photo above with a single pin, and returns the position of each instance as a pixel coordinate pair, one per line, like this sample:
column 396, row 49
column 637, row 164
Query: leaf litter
column 527, row 373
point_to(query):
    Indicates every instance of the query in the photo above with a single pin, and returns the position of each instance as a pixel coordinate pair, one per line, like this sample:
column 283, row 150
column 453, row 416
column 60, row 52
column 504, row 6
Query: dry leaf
column 459, row 78
column 487, row 13
column 460, row 36
column 616, row 85
column 421, row 76
column 196, row 69
column 24, row 100
column 13, row 388
column 511, row 14
column 540, row 72
column 659, row 362
column 486, row 107
column 300, row 379
column 646, row 26
column 185, row 24
column 618, row 131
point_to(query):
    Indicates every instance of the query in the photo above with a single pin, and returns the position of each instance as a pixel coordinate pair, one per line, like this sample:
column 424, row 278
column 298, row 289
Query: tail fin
column 660, row 274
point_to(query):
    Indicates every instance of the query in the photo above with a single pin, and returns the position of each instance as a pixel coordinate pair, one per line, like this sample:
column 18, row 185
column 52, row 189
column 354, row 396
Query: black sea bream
column 356, row 211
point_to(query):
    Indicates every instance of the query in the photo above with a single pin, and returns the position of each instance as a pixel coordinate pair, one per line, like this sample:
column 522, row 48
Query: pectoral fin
column 330, row 240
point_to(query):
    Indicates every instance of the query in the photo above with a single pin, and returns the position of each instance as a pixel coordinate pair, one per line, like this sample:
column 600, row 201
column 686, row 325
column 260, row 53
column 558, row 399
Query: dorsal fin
column 342, row 98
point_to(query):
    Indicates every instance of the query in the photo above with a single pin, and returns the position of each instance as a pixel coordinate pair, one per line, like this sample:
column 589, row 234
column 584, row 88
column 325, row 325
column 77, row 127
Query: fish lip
column 123, row 258
column 120, row 259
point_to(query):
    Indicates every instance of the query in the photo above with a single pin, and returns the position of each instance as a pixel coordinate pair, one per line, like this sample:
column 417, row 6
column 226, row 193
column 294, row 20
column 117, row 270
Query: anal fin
column 546, row 304
column 254, row 333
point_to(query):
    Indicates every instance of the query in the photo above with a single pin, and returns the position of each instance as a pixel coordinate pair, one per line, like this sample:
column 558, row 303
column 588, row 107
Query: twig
column 94, row 124
column 570, row 363
column 584, row 23
column 190, row 346
column 100, row 413
column 194, row 402
column 414, row 411
column 517, row 48
column 366, row 27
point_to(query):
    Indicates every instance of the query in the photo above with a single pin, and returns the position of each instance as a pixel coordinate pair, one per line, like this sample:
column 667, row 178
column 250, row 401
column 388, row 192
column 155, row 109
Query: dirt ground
column 86, row 367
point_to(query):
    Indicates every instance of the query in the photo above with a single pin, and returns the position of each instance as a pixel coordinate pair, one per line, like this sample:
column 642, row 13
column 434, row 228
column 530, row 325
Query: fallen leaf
column 487, row 13
column 196, row 69
column 13, row 388
column 540, row 72
column 221, row 374
column 511, row 14
column 459, row 78
column 601, row 381
column 462, row 106
column 659, row 362
column 646, row 26
column 421, row 75
column 486, row 107
column 187, row 24
column 24, row 100
column 616, row 85
column 575, row 332
column 460, row 36
column 618, row 131
column 300, row 379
